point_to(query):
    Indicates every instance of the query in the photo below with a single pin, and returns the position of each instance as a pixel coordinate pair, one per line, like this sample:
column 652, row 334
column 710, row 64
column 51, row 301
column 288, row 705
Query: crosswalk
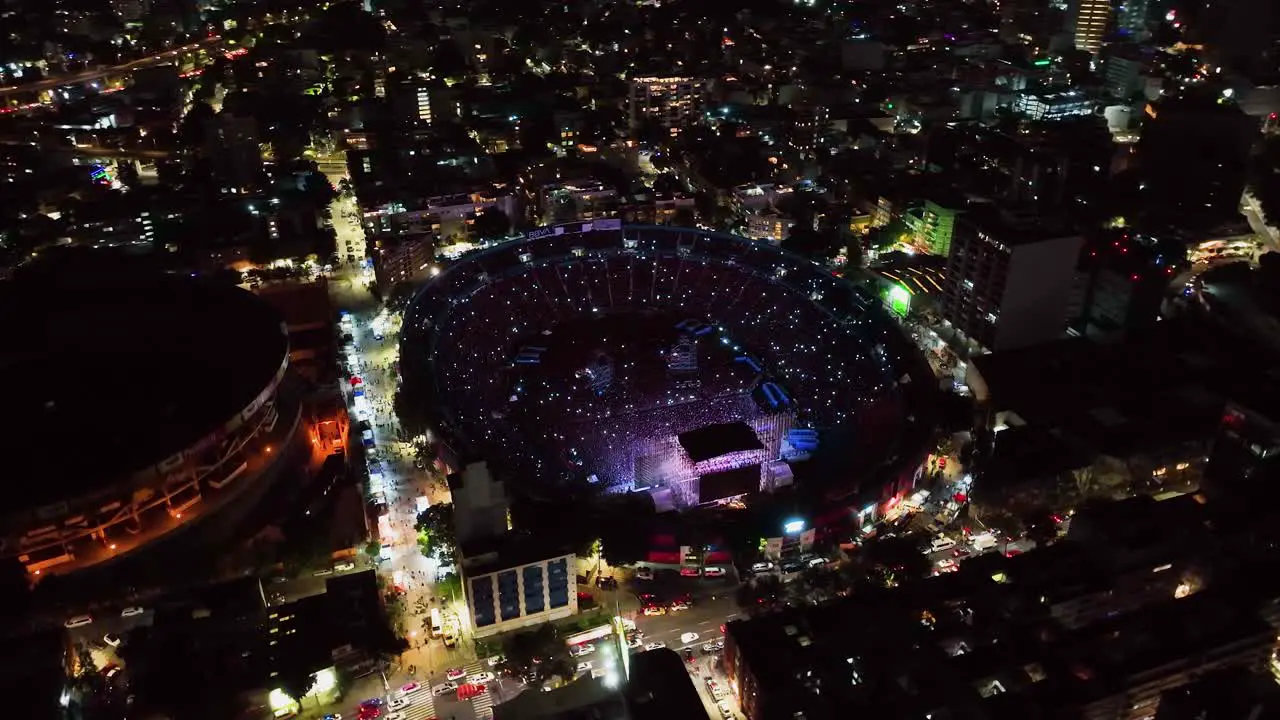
column 483, row 703
column 422, row 707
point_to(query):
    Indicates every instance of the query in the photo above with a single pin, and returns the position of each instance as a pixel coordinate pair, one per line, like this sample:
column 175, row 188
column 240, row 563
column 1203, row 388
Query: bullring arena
column 686, row 363
column 143, row 407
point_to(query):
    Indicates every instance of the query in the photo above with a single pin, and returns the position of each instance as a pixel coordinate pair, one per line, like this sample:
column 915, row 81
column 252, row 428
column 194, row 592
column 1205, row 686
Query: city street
column 403, row 489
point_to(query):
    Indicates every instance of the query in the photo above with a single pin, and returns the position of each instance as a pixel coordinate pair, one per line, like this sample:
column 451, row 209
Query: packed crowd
column 809, row 332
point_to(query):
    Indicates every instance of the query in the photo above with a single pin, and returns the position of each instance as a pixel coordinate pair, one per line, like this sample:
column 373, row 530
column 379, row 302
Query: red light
column 1134, row 276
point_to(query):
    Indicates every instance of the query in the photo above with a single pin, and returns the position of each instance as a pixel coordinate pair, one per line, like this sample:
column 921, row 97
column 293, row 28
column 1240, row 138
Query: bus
column 437, row 622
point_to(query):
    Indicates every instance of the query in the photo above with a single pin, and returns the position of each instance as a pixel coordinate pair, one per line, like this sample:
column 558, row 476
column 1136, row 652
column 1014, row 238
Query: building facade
column 671, row 101
column 1088, row 21
column 501, row 599
column 1010, row 285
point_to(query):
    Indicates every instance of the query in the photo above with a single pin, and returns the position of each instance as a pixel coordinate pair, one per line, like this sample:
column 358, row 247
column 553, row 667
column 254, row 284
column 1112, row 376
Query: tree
column 813, row 244
column 1041, row 527
column 1264, row 179
column 296, row 681
column 897, row 558
column 537, row 655
column 491, row 223
column 683, row 217
column 437, row 522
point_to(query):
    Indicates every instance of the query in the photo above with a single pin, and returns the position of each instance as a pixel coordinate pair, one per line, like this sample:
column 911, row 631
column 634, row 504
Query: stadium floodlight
column 793, row 527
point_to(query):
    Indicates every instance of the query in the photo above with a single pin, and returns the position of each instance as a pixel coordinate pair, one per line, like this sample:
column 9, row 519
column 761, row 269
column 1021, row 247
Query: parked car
column 714, row 572
column 77, row 621
column 111, row 639
column 444, row 688
column 132, row 611
column 644, row 573
column 686, row 638
column 655, row 646
column 481, row 678
column 580, row 650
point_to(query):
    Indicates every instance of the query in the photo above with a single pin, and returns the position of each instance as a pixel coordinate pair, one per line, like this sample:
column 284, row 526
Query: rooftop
column 712, row 441
column 127, row 369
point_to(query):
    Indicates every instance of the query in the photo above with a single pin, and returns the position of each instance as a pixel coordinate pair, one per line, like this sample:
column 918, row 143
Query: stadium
column 685, row 363
column 143, row 406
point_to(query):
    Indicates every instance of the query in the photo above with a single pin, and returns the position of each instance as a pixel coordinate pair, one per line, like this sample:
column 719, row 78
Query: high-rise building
column 1194, row 155
column 672, row 101
column 1125, row 279
column 1087, row 20
column 1026, row 21
column 401, row 258
column 1009, row 282
column 936, row 227
column 1131, row 19
column 231, row 146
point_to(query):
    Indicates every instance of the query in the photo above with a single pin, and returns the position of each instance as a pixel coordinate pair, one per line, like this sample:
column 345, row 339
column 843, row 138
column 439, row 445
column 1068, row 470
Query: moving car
column 481, row 678
column 455, row 674
column 444, row 688
column 688, row 571
column 397, row 716
column 761, row 567
column 686, row 638
column 580, row 650
column 398, row 704
column 655, row 646
column 111, row 639
column 408, row 689
column 714, row 572
column 496, row 660
column 584, row 666
column 131, row 611
column 644, row 573
column 77, row 621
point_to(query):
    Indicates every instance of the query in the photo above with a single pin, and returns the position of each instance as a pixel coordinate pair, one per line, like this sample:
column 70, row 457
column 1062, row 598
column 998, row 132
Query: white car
column 580, row 650
column 77, row 621
column 481, row 678
column 714, row 572
column 761, row 567
column 655, row 646
column 635, row 643
column 496, row 660
column 131, row 611
column 444, row 688
column 111, row 639
column 644, row 573
column 395, row 716
column 398, row 704
column 584, row 666
column 688, row 637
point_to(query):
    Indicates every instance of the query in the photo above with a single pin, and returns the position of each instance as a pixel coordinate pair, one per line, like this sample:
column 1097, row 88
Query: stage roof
column 728, row 483
column 712, row 441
